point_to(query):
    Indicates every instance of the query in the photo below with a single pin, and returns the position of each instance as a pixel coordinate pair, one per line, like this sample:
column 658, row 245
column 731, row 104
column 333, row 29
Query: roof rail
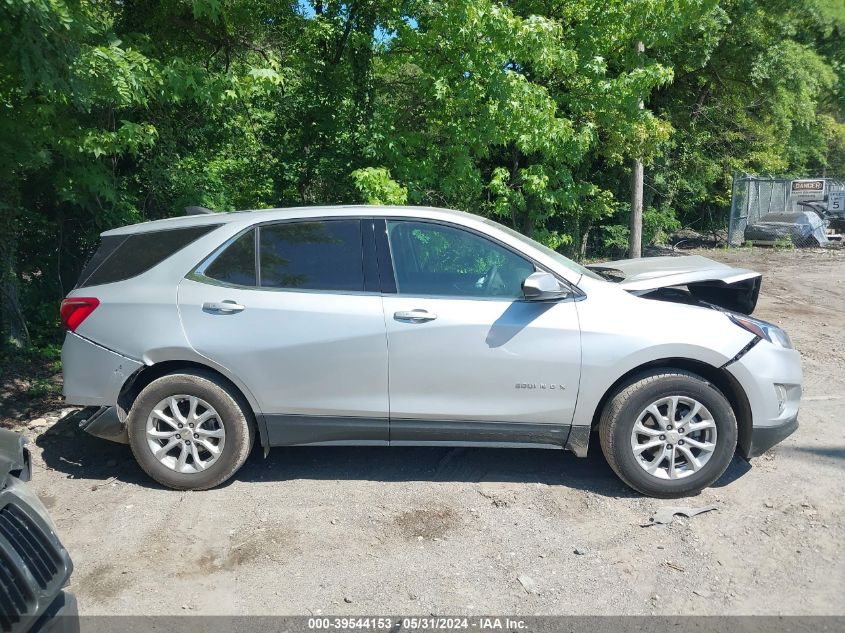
column 197, row 211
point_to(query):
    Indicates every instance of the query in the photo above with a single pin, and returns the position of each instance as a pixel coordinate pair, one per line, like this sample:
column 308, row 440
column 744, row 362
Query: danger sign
column 808, row 187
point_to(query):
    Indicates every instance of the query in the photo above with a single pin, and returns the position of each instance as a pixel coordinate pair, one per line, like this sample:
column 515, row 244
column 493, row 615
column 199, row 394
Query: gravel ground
column 473, row 531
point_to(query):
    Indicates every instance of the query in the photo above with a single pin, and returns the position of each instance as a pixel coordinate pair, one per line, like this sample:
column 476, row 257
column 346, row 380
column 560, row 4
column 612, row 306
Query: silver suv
column 190, row 337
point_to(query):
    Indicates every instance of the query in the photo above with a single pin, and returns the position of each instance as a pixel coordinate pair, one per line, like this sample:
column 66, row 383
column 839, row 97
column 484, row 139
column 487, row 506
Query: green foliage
column 43, row 387
column 758, row 88
column 784, row 243
column 658, row 224
column 377, row 187
column 615, row 238
column 526, row 111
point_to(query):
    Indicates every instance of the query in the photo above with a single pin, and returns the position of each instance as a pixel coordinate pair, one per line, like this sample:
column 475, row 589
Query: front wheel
column 668, row 433
column 188, row 431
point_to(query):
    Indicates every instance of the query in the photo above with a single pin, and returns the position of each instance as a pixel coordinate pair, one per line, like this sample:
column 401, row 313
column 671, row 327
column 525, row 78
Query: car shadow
column 516, row 317
column 436, row 464
column 68, row 449
column 828, row 452
column 736, row 469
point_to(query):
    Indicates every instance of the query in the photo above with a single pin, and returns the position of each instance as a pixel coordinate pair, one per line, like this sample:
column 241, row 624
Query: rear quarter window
column 236, row 264
column 122, row 257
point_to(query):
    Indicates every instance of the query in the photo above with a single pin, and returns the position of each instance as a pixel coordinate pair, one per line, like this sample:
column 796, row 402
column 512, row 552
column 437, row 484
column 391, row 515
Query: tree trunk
column 528, row 224
column 584, row 237
column 14, row 326
column 635, row 240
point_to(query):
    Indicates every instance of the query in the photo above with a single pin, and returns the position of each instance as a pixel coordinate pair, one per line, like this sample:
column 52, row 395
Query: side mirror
column 543, row 287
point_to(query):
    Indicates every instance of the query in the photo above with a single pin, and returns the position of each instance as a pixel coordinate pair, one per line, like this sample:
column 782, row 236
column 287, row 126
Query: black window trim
column 372, row 278
column 256, row 253
column 384, row 257
column 198, row 272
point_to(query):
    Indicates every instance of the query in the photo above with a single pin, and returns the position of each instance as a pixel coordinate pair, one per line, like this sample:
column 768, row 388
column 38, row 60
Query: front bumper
column 34, row 563
column 764, row 437
column 771, row 378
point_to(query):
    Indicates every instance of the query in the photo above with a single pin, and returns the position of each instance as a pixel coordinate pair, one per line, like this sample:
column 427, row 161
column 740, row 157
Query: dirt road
column 423, row 530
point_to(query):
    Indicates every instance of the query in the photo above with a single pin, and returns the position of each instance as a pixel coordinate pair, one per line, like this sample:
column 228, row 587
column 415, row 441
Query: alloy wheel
column 674, row 437
column 185, row 433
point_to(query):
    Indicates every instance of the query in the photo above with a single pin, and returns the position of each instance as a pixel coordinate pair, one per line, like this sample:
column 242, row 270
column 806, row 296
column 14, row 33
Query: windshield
column 560, row 259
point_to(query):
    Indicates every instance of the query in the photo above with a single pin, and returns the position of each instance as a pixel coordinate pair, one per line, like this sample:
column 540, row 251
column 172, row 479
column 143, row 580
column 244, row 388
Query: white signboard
column 836, row 202
column 813, row 187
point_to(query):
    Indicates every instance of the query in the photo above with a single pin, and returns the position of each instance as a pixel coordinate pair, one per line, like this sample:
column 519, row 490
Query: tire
column 715, row 424
column 231, row 415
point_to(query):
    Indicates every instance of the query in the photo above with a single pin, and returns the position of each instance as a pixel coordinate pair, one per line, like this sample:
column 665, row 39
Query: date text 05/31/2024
column 416, row 623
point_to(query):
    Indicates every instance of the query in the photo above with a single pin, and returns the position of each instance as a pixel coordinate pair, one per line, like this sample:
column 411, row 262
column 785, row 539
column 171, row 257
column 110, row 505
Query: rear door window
column 122, row 257
column 318, row 255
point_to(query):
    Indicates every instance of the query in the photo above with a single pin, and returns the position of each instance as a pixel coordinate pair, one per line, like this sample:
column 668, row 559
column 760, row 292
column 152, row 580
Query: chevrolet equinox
column 191, row 337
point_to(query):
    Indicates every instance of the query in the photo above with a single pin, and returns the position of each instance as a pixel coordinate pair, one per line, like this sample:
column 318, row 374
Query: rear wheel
column 188, row 431
column 668, row 433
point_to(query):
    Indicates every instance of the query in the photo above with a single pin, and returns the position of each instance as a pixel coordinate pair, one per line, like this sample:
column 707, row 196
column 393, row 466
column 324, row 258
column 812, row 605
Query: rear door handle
column 225, row 307
column 415, row 316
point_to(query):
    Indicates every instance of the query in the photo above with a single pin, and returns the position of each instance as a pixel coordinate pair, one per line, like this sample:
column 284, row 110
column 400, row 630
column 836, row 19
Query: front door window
column 439, row 260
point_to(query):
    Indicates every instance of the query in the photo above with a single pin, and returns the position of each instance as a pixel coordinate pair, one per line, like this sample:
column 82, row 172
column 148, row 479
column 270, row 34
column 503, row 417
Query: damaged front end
column 688, row 279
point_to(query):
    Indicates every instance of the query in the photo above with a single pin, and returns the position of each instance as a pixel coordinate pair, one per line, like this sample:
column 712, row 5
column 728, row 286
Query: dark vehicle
column 804, row 228
column 34, row 566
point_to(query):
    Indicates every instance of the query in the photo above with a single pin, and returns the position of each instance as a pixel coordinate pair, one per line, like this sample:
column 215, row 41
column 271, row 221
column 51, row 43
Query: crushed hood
column 650, row 273
column 705, row 279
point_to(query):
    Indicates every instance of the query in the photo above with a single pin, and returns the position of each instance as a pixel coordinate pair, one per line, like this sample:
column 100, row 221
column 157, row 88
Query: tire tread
column 201, row 378
column 610, row 418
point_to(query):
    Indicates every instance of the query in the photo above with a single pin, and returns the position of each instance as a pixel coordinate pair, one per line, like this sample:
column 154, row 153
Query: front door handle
column 224, row 307
column 415, row 316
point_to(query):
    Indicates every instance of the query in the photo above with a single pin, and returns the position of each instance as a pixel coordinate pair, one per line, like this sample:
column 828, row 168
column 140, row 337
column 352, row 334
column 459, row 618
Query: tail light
column 75, row 310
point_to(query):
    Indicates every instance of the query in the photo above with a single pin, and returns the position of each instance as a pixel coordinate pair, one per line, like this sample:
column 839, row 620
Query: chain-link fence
column 797, row 211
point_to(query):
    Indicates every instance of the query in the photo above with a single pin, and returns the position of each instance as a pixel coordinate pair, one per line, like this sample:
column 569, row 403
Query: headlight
column 763, row 329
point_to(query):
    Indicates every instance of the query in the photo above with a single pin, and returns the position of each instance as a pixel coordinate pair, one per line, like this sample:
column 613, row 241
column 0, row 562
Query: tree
column 526, row 111
column 756, row 90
